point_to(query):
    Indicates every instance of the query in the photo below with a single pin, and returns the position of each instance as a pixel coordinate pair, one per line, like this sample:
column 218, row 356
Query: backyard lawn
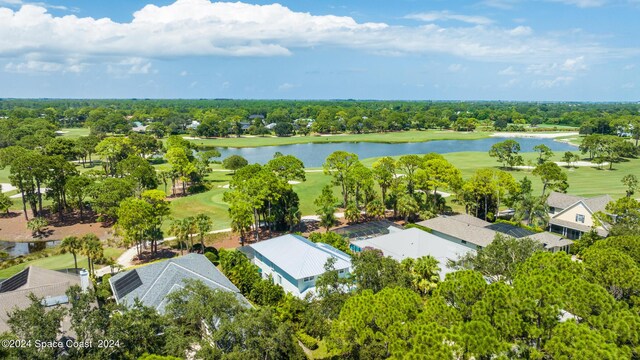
column 56, row 262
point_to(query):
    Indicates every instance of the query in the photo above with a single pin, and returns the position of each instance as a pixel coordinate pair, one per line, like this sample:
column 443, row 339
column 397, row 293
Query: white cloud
column 508, row 71
column 39, row 66
column 454, row 68
column 286, row 86
column 446, row 15
column 500, row 4
column 550, row 83
column 184, row 73
column 574, row 64
column 131, row 66
column 521, row 31
column 203, row 28
column 33, row 67
column 629, row 67
column 628, row 85
column 583, row 3
column 569, row 65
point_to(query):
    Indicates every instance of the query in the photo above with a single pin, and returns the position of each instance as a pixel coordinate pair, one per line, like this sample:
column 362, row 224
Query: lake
column 16, row 249
column 313, row 155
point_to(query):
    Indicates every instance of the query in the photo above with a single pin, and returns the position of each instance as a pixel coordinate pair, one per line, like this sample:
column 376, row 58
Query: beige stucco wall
column 570, row 215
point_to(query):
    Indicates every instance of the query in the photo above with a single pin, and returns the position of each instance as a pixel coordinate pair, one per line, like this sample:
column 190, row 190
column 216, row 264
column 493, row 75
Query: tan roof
column 550, row 240
column 450, row 225
column 41, row 282
column 469, row 219
column 562, row 201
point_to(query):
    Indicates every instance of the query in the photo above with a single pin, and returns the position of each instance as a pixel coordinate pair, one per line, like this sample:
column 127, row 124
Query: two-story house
column 295, row 263
column 572, row 216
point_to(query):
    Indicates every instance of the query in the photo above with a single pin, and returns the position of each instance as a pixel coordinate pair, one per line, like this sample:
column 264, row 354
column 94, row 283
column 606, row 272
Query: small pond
column 313, row 155
column 15, row 249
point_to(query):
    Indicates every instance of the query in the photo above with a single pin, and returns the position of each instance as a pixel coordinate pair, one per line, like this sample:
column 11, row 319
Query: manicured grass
column 74, row 132
column 392, row 137
column 56, row 262
column 211, row 203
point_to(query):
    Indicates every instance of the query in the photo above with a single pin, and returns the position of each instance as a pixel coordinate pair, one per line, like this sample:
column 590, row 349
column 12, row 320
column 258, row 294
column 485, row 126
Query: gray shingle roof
column 562, row 201
column 43, row 283
column 300, row 257
column 450, row 225
column 415, row 243
column 483, row 236
column 161, row 278
column 550, row 240
column 598, row 203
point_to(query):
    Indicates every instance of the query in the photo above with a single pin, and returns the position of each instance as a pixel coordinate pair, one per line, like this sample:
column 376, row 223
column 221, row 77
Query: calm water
column 23, row 248
column 313, row 155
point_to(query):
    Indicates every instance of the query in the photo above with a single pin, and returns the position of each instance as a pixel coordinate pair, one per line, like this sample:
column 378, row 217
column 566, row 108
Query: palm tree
column 180, row 229
column 204, row 225
column 92, row 249
column 532, row 209
column 424, row 273
column 71, row 244
column 189, row 225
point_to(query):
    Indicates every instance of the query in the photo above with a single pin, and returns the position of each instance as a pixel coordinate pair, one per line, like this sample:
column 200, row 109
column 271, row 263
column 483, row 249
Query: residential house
column 477, row 233
column 50, row 285
column 414, row 243
column 295, row 263
column 572, row 216
column 152, row 283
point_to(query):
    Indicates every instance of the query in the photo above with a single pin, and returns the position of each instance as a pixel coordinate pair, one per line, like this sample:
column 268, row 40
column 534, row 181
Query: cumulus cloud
column 286, row 86
column 131, row 66
column 555, row 82
column 454, row 68
column 434, row 16
column 508, row 71
column 583, row 3
column 570, row 65
column 204, row 28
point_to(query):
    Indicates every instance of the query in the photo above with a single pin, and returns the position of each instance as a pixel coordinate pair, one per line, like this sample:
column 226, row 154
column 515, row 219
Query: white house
column 295, row 263
column 415, row 243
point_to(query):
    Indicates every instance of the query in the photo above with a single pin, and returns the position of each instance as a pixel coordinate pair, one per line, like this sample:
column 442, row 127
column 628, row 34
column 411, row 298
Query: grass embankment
column 390, row 137
column 60, row 261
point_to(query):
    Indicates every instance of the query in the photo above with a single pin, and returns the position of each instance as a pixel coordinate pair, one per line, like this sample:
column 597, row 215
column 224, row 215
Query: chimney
column 84, row 280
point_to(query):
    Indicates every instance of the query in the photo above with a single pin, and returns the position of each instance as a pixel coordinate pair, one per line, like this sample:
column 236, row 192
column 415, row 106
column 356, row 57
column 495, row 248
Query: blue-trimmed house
column 295, row 263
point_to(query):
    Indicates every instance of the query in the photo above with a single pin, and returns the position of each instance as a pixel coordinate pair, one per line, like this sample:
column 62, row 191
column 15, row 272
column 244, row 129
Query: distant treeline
column 220, row 118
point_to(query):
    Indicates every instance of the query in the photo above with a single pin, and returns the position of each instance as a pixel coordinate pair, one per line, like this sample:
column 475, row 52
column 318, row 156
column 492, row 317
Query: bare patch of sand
column 533, row 135
column 6, row 187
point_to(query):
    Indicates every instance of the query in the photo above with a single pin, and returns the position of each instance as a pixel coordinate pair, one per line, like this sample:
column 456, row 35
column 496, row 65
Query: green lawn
column 55, row 262
column 211, row 202
column 74, row 132
column 392, row 137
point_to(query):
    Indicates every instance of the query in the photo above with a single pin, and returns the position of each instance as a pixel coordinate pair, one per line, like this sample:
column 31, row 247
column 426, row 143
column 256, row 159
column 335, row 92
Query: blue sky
column 537, row 50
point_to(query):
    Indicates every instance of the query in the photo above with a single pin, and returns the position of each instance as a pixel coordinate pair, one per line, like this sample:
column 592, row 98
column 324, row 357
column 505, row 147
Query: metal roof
column 153, row 282
column 415, row 243
column 300, row 257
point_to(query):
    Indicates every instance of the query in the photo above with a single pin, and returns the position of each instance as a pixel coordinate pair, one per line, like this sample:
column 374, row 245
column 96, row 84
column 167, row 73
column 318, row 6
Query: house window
column 463, row 241
column 310, row 278
column 580, row 218
column 341, row 271
column 552, row 209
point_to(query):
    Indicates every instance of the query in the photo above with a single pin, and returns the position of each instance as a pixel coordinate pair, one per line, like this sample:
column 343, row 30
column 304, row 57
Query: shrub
column 306, row 340
column 213, row 257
